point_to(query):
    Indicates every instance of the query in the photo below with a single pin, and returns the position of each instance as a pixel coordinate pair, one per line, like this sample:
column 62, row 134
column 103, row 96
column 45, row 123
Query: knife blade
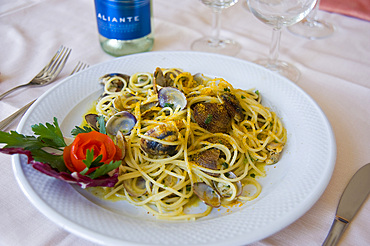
column 354, row 195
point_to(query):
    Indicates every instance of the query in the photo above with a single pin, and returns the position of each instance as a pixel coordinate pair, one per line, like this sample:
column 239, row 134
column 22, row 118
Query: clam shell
column 233, row 106
column 165, row 132
column 117, row 84
column 213, row 117
column 225, row 191
column 92, row 121
column 170, row 96
column 200, row 78
column 122, row 121
column 207, row 194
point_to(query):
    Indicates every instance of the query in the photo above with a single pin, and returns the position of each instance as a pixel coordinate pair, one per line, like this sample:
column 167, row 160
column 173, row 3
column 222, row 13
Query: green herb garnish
column 225, row 165
column 169, row 105
column 101, row 124
column 77, row 130
column 208, row 119
column 48, row 135
column 102, row 168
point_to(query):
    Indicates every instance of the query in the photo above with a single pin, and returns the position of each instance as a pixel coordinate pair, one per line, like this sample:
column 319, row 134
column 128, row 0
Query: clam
column 208, row 158
column 275, row 147
column 116, row 84
column 162, row 79
column 207, row 194
column 219, row 140
column 166, row 132
column 233, row 106
column 225, row 190
column 122, row 121
column 121, row 143
column 147, row 106
column 170, row 96
column 135, row 187
column 159, row 78
column 92, row 121
column 118, row 102
column 170, row 181
column 274, row 152
column 272, row 158
column 200, row 78
column 213, row 117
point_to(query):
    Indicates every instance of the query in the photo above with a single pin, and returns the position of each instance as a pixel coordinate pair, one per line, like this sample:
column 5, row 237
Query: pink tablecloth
column 335, row 73
column 359, row 8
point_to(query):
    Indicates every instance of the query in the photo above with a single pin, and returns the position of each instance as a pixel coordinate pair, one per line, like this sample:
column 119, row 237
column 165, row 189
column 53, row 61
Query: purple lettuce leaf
column 74, row 178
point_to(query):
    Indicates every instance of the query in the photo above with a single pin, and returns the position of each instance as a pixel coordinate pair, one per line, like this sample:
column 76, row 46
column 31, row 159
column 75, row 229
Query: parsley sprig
column 102, row 168
column 48, row 136
column 48, row 143
column 85, row 129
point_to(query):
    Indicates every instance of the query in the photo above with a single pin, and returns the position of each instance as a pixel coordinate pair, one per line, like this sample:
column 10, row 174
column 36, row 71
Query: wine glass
column 280, row 13
column 311, row 27
column 245, row 6
column 214, row 43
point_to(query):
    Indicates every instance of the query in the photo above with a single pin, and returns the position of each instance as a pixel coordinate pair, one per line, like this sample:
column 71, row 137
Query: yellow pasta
column 164, row 182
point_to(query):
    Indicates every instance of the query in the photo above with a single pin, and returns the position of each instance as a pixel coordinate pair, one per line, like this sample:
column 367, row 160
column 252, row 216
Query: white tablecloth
column 335, row 73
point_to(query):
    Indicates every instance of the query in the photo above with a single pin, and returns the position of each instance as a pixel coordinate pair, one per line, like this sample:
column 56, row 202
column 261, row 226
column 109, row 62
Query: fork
column 7, row 121
column 48, row 73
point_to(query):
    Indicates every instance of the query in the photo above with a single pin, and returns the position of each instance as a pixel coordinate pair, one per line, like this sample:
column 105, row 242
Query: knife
column 6, row 122
column 354, row 195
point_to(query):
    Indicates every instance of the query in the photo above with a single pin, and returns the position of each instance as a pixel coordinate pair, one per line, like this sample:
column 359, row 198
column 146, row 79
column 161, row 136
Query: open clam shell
column 115, row 85
column 233, row 106
column 92, row 121
column 170, row 181
column 122, row 121
column 207, row 194
column 147, row 106
column 166, row 132
column 200, row 78
column 121, row 143
column 225, row 190
column 170, row 96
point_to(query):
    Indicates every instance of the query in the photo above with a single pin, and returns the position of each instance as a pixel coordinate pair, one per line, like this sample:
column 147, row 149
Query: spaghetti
column 198, row 147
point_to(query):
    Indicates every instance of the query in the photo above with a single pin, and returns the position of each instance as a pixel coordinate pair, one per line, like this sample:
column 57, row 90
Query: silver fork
column 7, row 121
column 80, row 66
column 48, row 73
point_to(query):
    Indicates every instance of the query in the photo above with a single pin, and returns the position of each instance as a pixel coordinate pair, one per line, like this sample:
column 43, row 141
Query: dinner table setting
column 319, row 84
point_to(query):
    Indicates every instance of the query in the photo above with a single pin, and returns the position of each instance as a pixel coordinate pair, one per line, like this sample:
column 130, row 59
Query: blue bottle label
column 123, row 20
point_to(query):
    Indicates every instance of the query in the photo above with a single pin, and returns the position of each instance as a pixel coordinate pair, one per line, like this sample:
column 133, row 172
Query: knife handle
column 6, row 122
column 336, row 231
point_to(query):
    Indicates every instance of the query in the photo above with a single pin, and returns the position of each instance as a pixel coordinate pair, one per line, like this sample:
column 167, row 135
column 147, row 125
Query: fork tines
column 58, row 59
column 80, row 66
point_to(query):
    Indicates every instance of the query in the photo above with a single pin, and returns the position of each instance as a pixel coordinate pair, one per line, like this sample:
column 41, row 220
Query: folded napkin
column 356, row 8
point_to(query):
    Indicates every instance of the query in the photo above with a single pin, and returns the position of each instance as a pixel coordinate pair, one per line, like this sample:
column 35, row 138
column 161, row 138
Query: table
column 335, row 73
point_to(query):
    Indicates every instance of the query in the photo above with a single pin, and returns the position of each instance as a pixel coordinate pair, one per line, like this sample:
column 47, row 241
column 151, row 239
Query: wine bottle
column 125, row 26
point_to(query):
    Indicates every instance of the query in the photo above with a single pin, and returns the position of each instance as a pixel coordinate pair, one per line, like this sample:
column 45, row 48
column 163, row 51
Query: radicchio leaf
column 74, row 178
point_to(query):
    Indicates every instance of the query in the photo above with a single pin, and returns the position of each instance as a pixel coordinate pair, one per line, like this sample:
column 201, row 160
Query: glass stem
column 216, row 25
column 274, row 47
column 312, row 16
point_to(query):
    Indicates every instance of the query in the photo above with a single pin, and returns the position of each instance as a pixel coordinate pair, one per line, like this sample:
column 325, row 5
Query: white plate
column 289, row 190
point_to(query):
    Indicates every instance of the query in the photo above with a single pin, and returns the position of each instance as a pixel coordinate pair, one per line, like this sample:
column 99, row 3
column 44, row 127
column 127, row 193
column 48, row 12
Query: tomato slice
column 102, row 144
